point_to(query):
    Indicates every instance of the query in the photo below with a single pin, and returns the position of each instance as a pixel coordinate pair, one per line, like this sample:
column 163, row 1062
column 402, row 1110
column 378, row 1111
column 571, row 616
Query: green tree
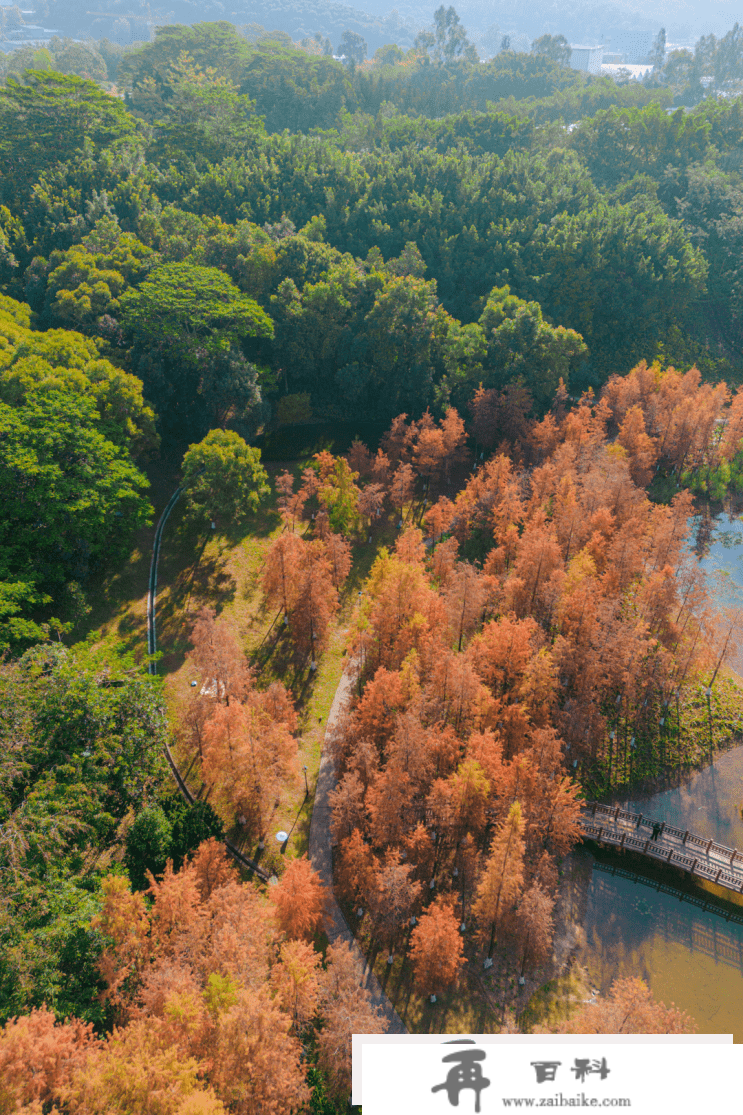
column 70, row 424
column 81, row 748
column 555, row 47
column 192, row 825
column 217, row 45
column 522, row 345
column 19, row 600
column 204, row 115
column 451, row 42
column 189, row 307
column 658, row 53
column 223, row 478
column 188, row 323
column 147, row 846
column 388, row 55
column 13, row 248
column 618, row 143
column 78, row 58
column 47, row 119
column 403, row 330
column 353, row 46
column 85, row 282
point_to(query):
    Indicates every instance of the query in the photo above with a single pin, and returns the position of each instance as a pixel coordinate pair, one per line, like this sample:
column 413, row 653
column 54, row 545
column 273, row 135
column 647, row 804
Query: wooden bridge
column 663, row 844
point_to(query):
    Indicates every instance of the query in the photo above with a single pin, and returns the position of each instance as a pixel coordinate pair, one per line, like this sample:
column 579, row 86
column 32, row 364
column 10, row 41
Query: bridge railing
column 601, row 823
column 688, row 838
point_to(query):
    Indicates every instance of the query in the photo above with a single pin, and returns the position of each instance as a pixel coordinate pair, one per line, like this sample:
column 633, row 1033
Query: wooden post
column 624, row 837
column 709, row 845
column 670, row 853
column 616, row 813
column 594, row 808
column 646, row 846
column 685, row 836
column 717, row 876
column 639, row 820
column 693, row 867
column 663, row 825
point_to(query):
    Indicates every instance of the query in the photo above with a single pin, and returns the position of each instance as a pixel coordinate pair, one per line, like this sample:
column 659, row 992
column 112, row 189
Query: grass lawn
column 223, row 571
column 674, row 740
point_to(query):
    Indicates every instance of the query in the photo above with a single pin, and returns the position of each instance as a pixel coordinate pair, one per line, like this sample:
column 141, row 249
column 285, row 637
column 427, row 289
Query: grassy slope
column 223, row 571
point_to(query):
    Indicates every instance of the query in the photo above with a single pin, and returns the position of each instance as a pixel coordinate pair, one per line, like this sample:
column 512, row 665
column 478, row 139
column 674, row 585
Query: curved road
column 320, row 848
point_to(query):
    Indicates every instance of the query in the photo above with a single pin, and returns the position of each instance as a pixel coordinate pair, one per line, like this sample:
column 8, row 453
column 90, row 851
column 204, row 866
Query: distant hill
column 627, row 26
column 127, row 21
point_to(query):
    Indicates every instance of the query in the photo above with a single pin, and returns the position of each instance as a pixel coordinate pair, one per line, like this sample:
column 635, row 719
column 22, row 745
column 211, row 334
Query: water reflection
column 687, row 957
column 708, row 803
column 719, row 545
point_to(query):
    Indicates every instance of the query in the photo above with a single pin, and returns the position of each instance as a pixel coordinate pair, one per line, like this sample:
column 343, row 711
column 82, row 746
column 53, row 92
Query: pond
column 688, row 956
column 720, row 544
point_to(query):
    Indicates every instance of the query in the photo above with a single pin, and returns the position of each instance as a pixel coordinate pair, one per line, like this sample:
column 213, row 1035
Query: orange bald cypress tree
column 217, row 655
column 281, row 571
column 534, row 926
column 642, row 450
column 629, row 1008
column 402, row 487
column 436, row 949
column 296, row 981
column 123, row 922
column 39, row 1057
column 502, row 877
column 465, row 597
column 248, row 759
column 347, row 1009
column 338, row 552
column 299, row 899
column 290, row 503
column 315, row 600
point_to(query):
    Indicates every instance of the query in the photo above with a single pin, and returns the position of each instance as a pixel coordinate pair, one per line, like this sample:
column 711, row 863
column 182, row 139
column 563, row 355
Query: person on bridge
column 656, row 831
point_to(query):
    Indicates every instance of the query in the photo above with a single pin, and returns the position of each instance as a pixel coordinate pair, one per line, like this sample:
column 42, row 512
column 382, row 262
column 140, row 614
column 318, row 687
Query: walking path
column 322, row 858
column 320, row 849
column 662, row 843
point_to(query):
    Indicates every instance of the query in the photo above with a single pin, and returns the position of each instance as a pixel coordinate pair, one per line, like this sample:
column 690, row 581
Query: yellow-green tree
column 502, row 877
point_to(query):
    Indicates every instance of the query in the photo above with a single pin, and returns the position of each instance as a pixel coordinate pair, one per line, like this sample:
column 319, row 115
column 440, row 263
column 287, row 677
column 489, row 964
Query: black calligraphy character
column 467, row 1074
column 582, row 1068
column 545, row 1070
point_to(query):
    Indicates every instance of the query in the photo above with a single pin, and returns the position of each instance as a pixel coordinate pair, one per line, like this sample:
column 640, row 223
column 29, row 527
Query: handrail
column 700, row 857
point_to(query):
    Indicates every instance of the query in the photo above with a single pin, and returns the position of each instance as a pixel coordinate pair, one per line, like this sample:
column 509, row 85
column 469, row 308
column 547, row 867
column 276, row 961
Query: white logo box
column 650, row 1074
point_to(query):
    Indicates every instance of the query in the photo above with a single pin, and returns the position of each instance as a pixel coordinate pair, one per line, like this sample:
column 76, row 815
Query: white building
column 626, row 72
column 586, row 58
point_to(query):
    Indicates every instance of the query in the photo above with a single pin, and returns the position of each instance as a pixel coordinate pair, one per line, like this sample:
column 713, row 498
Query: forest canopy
column 524, row 283
column 253, row 225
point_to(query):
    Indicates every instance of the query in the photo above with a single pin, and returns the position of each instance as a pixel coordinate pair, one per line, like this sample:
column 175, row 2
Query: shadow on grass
column 260, row 525
column 277, row 660
column 110, row 594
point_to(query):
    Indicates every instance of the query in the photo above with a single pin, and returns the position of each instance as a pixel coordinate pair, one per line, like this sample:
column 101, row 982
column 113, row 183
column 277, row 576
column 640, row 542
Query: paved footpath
column 322, row 859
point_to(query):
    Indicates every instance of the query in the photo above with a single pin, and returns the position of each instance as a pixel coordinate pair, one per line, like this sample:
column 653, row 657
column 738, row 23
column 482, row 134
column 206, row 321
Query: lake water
column 687, row 956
